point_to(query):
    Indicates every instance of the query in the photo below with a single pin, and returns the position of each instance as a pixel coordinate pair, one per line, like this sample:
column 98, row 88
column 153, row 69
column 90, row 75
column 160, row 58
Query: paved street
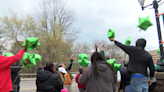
column 30, row 86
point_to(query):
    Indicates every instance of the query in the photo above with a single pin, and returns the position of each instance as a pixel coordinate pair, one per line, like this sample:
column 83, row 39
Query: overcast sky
column 96, row 17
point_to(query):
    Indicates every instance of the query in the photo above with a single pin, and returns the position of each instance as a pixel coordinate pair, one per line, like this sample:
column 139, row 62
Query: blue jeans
column 128, row 88
column 139, row 84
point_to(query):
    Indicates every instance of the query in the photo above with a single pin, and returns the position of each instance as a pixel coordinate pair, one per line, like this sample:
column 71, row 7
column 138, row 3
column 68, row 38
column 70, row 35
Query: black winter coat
column 125, row 78
column 139, row 59
column 48, row 82
column 15, row 73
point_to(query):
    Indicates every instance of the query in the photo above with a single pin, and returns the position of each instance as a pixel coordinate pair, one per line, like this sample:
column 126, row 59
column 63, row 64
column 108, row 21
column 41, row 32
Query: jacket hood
column 102, row 66
column 43, row 75
column 141, row 43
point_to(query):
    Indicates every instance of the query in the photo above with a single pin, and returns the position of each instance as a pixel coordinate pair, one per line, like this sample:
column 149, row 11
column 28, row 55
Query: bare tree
column 110, row 50
column 81, row 48
column 56, row 12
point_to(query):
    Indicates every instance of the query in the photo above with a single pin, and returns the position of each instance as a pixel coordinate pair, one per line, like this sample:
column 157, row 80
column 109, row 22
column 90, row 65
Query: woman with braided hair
column 47, row 80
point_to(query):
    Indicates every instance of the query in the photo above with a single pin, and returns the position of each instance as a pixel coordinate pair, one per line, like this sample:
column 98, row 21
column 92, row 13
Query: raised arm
column 8, row 61
column 102, row 51
column 70, row 64
column 127, row 49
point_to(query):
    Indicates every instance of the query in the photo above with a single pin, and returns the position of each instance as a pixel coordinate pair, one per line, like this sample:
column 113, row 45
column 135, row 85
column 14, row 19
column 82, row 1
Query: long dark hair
column 96, row 56
column 49, row 66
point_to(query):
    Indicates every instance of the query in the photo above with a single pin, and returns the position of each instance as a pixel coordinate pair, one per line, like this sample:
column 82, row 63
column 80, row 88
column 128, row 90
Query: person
column 69, row 66
column 15, row 76
column 41, row 68
column 139, row 60
column 67, row 75
column 47, row 80
column 5, row 73
column 68, row 81
column 100, row 76
column 61, row 75
column 154, row 80
column 125, row 80
column 82, row 88
column 106, row 58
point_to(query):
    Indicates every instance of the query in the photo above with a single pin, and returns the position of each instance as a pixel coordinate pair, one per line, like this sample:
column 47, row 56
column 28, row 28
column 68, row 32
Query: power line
column 161, row 3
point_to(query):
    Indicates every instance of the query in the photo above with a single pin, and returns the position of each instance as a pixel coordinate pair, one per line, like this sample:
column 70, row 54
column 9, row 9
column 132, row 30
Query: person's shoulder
column 55, row 76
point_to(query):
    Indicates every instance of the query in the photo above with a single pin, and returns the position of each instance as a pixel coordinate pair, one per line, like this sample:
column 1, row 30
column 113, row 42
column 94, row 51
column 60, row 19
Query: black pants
column 153, row 85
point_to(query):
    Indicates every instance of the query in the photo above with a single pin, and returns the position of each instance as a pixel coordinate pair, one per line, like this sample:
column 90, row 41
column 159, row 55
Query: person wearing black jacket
column 125, row 80
column 48, row 80
column 139, row 60
column 15, row 76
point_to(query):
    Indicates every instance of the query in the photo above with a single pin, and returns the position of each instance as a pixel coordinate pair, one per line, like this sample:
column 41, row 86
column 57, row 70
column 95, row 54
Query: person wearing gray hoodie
column 100, row 76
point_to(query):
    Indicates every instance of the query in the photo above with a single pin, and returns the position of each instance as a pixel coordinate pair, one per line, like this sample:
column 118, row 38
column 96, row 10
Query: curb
column 28, row 79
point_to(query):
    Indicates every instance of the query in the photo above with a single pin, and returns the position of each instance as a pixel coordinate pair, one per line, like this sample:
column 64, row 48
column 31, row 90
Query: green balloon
column 111, row 62
column 37, row 57
column 128, row 41
column 32, row 43
column 80, row 61
column 111, row 33
column 158, row 51
column 30, row 59
column 84, row 62
column 144, row 23
column 155, row 66
column 117, row 67
column 83, row 56
column 8, row 54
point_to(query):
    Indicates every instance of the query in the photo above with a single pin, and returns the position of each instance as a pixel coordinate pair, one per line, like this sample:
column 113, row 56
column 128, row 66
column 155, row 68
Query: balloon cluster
column 113, row 64
column 83, row 62
column 30, row 59
column 32, row 43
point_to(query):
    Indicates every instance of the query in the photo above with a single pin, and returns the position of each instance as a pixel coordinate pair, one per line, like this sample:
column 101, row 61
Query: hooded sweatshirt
column 139, row 59
column 5, row 73
column 103, row 84
column 48, row 82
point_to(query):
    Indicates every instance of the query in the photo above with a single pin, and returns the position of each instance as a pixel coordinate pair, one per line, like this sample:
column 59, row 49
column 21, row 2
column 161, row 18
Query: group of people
column 52, row 79
column 99, row 76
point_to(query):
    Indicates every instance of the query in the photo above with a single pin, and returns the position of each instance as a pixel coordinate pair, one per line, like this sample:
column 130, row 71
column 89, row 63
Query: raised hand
column 72, row 56
column 112, row 39
column 102, row 46
column 96, row 47
column 26, row 44
column 25, row 47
